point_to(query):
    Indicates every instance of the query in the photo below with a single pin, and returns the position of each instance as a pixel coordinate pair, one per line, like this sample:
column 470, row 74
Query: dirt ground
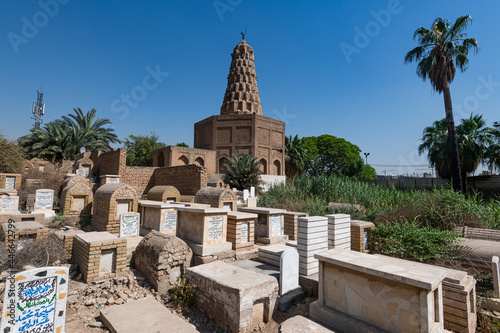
column 81, row 317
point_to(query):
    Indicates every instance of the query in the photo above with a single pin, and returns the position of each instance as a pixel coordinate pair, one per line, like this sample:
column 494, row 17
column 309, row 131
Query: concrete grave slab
column 300, row 324
column 35, row 301
column 143, row 315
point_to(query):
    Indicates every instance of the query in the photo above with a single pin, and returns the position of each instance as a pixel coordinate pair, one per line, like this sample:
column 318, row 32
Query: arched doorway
column 263, row 168
column 277, row 168
column 183, row 160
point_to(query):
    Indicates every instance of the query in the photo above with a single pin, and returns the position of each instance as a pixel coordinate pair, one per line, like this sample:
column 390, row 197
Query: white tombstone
column 10, row 182
column 289, row 271
column 252, row 191
column 35, row 301
column 246, row 195
column 9, row 204
column 496, row 275
column 170, row 221
column 81, row 172
column 44, row 199
column 129, row 224
column 215, row 227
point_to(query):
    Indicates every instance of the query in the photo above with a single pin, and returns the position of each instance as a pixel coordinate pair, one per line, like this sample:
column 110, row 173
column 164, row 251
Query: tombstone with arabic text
column 35, row 301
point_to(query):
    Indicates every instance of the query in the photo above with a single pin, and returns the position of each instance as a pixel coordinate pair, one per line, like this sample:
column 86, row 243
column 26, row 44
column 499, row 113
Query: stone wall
column 188, row 179
column 162, row 259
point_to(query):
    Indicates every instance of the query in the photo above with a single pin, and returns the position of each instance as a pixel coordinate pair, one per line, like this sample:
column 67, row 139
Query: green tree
column 62, row 138
column 243, row 171
column 296, row 154
column 11, row 156
column 182, row 144
column 493, row 151
column 327, row 154
column 441, row 48
column 473, row 138
column 140, row 149
column 368, row 173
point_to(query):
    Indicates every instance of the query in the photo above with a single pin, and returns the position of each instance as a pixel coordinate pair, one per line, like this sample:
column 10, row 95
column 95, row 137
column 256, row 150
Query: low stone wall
column 479, row 233
column 162, row 259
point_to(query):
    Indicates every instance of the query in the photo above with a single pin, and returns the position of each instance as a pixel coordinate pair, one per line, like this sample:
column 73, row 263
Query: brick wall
column 188, row 179
column 139, row 177
column 109, row 163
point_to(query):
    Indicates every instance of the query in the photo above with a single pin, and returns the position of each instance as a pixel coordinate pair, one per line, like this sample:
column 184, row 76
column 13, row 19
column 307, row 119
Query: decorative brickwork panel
column 224, row 135
column 243, row 134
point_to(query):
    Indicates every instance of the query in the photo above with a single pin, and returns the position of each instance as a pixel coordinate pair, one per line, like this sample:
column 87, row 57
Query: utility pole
column 38, row 109
column 366, row 157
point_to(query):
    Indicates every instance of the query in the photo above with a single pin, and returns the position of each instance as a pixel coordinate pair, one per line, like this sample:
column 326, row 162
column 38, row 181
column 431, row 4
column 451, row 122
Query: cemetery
column 174, row 248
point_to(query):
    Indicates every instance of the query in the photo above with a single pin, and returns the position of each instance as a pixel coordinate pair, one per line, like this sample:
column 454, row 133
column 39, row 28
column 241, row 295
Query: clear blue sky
column 88, row 54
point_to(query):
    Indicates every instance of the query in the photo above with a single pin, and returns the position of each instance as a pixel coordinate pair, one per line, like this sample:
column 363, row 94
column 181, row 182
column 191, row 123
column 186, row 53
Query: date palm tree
column 473, row 138
column 243, row 171
column 62, row 138
column 443, row 48
column 296, row 156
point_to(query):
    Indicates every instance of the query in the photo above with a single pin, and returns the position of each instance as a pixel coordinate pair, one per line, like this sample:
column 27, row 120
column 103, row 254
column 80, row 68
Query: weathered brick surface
column 176, row 156
column 188, row 179
column 139, row 177
column 88, row 257
column 358, row 229
column 290, row 223
column 216, row 197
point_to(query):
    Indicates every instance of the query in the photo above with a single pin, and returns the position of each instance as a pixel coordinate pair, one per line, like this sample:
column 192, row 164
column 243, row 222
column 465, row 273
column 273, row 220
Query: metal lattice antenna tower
column 38, row 109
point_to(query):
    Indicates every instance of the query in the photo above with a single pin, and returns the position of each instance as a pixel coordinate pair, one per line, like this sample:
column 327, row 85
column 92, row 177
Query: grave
column 157, row 215
column 84, row 165
column 44, row 200
column 18, row 232
column 459, row 297
column 10, row 181
column 269, row 227
column 21, row 217
column 312, row 239
column 339, row 231
column 240, row 230
column 110, row 201
column 36, row 301
column 361, row 235
column 109, row 179
column 99, row 255
column 217, row 197
column 166, row 194
column 290, row 222
column 143, row 315
column 9, row 204
column 204, row 229
column 66, row 237
column 76, row 200
column 129, row 224
column 162, row 259
column 271, row 254
column 359, row 292
column 235, row 298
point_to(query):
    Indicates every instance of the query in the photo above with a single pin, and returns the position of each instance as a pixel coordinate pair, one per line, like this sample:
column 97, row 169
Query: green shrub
column 410, row 240
column 182, row 294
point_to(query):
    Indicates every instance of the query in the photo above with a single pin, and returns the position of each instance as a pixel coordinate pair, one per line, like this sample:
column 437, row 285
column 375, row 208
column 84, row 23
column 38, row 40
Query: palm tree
column 62, row 138
column 243, row 171
column 493, row 151
column 473, row 139
column 296, row 156
column 441, row 49
column 89, row 132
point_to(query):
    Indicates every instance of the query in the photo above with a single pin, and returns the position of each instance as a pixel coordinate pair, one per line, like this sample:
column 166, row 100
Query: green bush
column 182, row 294
column 413, row 241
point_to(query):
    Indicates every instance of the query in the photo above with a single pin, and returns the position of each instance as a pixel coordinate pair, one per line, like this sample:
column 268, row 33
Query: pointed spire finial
column 244, row 33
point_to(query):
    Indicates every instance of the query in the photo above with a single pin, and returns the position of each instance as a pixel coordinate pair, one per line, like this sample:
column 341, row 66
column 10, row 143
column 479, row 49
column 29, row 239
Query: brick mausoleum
column 241, row 127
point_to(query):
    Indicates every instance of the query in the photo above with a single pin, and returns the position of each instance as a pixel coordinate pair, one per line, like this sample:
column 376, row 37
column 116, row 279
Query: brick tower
column 242, row 94
column 241, row 128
